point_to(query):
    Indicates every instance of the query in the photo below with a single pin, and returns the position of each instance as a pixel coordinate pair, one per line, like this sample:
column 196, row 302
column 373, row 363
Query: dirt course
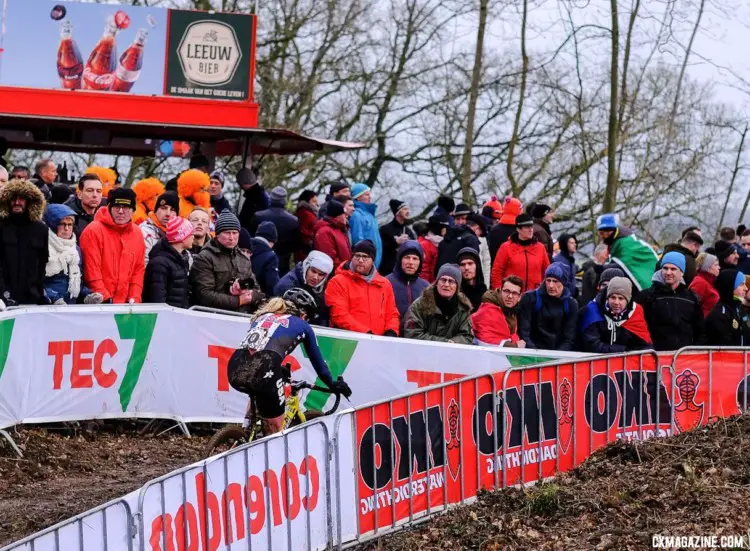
column 696, row 483
column 67, row 471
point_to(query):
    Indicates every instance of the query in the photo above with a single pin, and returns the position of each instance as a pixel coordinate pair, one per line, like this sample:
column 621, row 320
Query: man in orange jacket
column 359, row 298
column 113, row 250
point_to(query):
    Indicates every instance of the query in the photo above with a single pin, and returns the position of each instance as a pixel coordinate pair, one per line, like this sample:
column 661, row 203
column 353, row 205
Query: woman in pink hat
column 168, row 266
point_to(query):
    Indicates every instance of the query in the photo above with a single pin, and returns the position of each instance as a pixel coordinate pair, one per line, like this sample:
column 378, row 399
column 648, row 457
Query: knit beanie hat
column 447, row 203
column 540, row 210
column 705, row 261
column 121, row 196
column 723, row 249
column 218, row 175
column 396, row 205
column 739, row 280
column 358, row 189
column 169, row 198
column 338, row 186
column 365, row 247
column 55, row 214
column 227, row 222
column 524, row 219
column 267, row 230
column 610, row 273
column 607, row 222
column 620, row 286
column 334, row 209
column 278, row 196
column 675, row 259
column 450, row 270
column 437, row 222
column 178, row 229
column 245, row 241
column 306, row 195
column 556, row 270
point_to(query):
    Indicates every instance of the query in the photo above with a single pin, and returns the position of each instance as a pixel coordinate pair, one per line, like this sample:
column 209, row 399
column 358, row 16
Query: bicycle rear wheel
column 229, row 438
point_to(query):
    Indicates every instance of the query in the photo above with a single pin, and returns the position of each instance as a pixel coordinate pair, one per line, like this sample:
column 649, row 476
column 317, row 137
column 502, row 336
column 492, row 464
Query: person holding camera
column 222, row 277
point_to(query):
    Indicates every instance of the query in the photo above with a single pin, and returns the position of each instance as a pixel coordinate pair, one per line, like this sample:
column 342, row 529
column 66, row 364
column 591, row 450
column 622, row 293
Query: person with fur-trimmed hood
column 442, row 313
column 612, row 323
column 23, row 244
column 192, row 188
column 147, row 191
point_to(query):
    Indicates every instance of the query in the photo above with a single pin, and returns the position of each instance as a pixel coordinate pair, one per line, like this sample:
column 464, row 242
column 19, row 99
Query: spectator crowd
column 494, row 277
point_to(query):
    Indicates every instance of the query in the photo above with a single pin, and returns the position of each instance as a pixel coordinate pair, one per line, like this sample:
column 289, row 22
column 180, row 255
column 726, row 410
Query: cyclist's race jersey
column 281, row 333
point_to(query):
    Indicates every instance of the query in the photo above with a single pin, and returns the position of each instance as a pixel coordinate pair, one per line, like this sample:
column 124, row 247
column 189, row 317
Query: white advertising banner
column 83, row 362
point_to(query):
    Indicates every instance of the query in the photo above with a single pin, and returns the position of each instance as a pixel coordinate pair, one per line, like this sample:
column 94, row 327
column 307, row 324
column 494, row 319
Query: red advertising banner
column 439, row 447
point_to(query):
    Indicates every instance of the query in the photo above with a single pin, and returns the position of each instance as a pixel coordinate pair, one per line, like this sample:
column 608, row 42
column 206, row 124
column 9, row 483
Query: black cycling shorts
column 259, row 376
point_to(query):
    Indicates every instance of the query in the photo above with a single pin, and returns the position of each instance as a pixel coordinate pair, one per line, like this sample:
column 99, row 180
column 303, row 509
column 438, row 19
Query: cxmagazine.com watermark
column 737, row 541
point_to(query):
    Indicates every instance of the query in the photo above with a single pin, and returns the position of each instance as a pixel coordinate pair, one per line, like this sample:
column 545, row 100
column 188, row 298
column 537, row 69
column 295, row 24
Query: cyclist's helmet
column 302, row 300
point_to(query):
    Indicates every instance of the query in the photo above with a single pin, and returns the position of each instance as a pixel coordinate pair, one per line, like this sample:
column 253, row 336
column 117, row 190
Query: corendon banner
column 441, row 446
column 272, row 495
column 126, row 49
column 72, row 363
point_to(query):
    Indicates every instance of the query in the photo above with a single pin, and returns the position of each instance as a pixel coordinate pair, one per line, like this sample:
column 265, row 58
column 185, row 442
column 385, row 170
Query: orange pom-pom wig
column 192, row 187
column 147, row 191
column 107, row 177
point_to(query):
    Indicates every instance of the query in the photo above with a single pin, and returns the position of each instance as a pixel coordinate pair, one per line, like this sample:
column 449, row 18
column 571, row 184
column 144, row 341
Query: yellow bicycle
column 232, row 436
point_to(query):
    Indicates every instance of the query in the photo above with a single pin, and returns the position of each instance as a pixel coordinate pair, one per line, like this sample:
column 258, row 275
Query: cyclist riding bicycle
column 255, row 368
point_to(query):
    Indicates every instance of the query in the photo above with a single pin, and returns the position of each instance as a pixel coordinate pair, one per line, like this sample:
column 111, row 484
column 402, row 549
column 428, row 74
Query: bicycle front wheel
column 227, row 439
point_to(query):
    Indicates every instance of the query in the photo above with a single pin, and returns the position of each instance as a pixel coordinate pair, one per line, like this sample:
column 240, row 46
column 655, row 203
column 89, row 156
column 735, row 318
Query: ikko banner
column 420, row 453
column 84, row 362
column 127, row 49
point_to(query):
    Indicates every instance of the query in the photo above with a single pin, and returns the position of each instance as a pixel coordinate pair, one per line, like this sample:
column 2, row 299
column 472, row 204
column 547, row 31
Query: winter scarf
column 434, row 239
column 64, row 257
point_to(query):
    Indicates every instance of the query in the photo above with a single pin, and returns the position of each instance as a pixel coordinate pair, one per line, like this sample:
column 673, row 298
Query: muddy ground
column 693, row 484
column 69, row 469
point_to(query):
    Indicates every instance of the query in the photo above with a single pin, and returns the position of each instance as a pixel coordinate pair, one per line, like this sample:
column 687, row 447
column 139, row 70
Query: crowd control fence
column 366, row 472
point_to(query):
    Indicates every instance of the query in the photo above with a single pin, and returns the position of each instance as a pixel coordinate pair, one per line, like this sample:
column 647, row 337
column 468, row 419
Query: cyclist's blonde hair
column 275, row 305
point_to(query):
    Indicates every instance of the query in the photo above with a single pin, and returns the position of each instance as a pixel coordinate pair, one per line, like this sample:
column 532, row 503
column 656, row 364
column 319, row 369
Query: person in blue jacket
column 568, row 246
column 363, row 224
column 405, row 280
column 264, row 261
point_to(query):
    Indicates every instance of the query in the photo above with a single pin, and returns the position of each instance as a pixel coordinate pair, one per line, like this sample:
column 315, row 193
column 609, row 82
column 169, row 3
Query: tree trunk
column 610, row 194
column 476, row 77
column 519, row 110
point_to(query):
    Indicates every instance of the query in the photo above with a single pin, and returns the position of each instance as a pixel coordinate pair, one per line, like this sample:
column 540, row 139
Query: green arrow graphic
column 139, row 327
column 337, row 353
column 518, row 361
column 6, row 333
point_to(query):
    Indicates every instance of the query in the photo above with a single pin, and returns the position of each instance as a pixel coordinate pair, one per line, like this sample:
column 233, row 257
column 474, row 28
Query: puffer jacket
column 331, row 238
column 364, row 225
column 113, row 261
column 429, row 244
column 214, row 270
column 492, row 324
column 406, row 289
column 425, row 321
column 265, row 265
column 525, row 260
column 724, row 325
column 674, row 317
column 24, row 245
column 362, row 304
column 547, row 323
column 308, row 218
column 167, row 276
column 703, row 286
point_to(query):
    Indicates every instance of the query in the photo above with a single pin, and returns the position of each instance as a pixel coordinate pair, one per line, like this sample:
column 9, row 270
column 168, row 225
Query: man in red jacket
column 113, row 250
column 359, row 298
column 522, row 255
column 332, row 234
column 496, row 321
column 307, row 214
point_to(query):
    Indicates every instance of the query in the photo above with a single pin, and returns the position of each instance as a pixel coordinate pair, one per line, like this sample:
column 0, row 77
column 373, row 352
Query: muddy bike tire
column 226, row 439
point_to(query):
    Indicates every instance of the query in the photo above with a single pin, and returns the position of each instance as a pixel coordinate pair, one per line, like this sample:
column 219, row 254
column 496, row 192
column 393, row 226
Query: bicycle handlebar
column 300, row 385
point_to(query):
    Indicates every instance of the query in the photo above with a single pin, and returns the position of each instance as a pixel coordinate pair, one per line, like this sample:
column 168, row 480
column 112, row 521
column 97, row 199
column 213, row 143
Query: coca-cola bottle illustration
column 100, row 67
column 131, row 61
column 69, row 60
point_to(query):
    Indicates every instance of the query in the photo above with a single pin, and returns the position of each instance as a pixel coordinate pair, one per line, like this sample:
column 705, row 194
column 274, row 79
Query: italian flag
column 636, row 258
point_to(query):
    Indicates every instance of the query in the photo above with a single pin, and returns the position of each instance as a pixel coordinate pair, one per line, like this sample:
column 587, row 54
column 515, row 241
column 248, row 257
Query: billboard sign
column 146, row 51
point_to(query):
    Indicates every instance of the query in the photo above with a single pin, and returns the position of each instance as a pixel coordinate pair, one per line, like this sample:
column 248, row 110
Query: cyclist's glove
column 340, row 387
